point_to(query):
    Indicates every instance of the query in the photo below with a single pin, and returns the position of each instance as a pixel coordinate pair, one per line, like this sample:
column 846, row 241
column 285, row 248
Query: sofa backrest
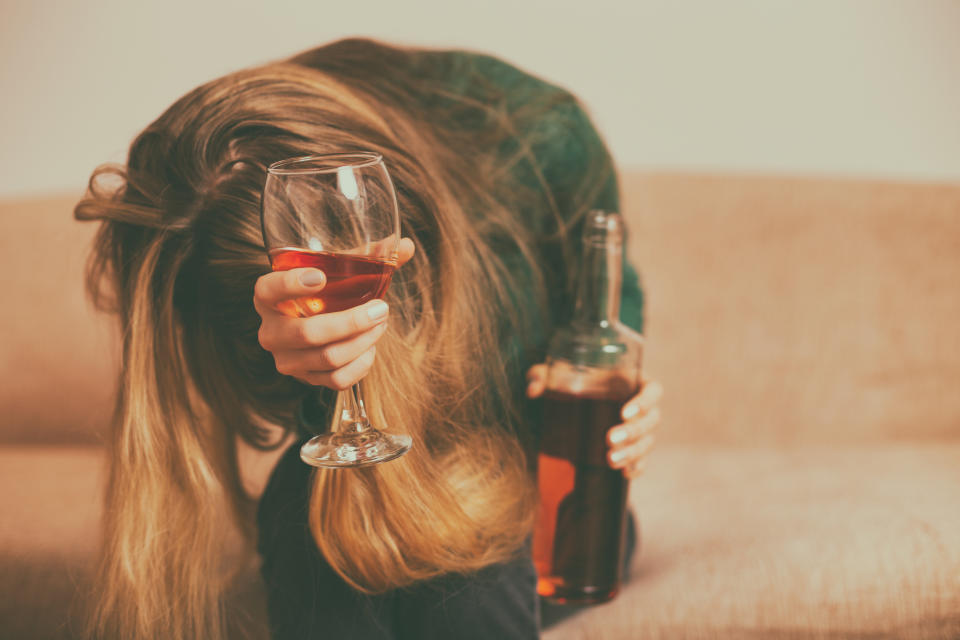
column 789, row 310
column 780, row 310
column 58, row 359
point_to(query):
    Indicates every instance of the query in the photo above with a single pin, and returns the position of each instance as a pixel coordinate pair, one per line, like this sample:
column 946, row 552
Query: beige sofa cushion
column 736, row 543
column 57, row 358
column 856, row 542
column 49, row 535
column 787, row 310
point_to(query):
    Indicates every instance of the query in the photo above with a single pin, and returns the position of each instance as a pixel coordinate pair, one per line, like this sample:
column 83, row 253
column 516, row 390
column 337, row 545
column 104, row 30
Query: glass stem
column 354, row 415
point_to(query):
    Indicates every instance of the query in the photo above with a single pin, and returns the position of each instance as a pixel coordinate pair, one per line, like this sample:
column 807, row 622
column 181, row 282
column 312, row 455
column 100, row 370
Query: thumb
column 536, row 380
column 405, row 251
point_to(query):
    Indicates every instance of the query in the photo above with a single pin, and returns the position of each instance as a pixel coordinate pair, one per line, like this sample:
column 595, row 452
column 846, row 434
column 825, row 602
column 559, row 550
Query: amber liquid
column 351, row 279
column 578, row 542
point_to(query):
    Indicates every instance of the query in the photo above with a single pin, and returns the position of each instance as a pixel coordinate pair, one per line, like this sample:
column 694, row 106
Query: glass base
column 353, row 449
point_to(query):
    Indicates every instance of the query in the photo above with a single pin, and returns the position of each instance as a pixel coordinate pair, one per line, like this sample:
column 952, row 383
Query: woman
column 493, row 169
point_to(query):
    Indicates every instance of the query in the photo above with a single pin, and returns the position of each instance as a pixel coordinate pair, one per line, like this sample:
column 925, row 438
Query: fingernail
column 312, row 278
column 617, row 435
column 617, row 456
column 630, row 411
column 377, row 310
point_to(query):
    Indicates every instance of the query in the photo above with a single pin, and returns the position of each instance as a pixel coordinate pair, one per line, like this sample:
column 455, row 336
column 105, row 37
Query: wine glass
column 337, row 213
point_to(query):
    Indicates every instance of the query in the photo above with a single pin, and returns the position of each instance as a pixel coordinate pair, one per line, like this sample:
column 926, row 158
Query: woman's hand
column 631, row 441
column 332, row 350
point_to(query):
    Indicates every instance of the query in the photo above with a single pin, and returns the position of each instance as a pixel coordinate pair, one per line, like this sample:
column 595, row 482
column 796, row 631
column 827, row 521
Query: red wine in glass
column 351, row 279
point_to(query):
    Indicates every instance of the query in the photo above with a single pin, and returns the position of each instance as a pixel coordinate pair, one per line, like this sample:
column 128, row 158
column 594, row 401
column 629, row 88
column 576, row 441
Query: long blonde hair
column 177, row 254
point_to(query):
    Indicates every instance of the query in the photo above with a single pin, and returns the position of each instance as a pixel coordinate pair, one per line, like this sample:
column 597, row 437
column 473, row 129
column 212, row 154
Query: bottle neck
column 599, row 280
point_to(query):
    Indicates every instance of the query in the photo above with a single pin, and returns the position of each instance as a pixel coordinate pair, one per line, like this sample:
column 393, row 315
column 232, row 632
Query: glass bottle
column 593, row 368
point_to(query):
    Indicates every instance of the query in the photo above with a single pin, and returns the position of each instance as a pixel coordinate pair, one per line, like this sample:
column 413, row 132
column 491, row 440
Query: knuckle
column 303, row 332
column 357, row 320
column 284, row 365
column 258, row 287
column 314, row 379
column 332, row 357
column 265, row 337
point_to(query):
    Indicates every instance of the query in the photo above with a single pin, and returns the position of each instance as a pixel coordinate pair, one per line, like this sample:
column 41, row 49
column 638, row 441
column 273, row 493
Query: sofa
column 806, row 482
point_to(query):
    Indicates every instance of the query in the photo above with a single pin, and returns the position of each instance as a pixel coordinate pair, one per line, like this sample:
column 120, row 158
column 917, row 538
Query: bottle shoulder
column 602, row 345
column 595, row 360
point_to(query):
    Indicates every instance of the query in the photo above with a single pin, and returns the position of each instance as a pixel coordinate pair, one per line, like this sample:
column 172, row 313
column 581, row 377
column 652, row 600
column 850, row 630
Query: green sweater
column 466, row 90
column 570, row 172
column 565, row 146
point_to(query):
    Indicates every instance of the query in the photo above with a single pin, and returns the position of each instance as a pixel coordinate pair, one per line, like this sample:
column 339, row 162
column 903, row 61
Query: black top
column 306, row 598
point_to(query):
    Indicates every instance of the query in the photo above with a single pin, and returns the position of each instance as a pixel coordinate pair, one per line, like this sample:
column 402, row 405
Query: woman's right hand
column 332, row 350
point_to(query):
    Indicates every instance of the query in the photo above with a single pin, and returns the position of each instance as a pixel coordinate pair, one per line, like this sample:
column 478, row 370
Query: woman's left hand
column 632, row 440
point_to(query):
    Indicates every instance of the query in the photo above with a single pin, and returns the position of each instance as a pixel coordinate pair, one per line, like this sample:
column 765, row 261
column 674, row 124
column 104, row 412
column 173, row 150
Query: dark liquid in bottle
column 578, row 542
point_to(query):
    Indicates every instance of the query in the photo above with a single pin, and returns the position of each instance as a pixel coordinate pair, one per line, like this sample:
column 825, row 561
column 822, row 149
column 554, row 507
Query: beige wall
column 839, row 87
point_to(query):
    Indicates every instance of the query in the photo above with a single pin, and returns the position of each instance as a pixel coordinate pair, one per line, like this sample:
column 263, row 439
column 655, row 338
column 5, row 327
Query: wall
column 842, row 87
